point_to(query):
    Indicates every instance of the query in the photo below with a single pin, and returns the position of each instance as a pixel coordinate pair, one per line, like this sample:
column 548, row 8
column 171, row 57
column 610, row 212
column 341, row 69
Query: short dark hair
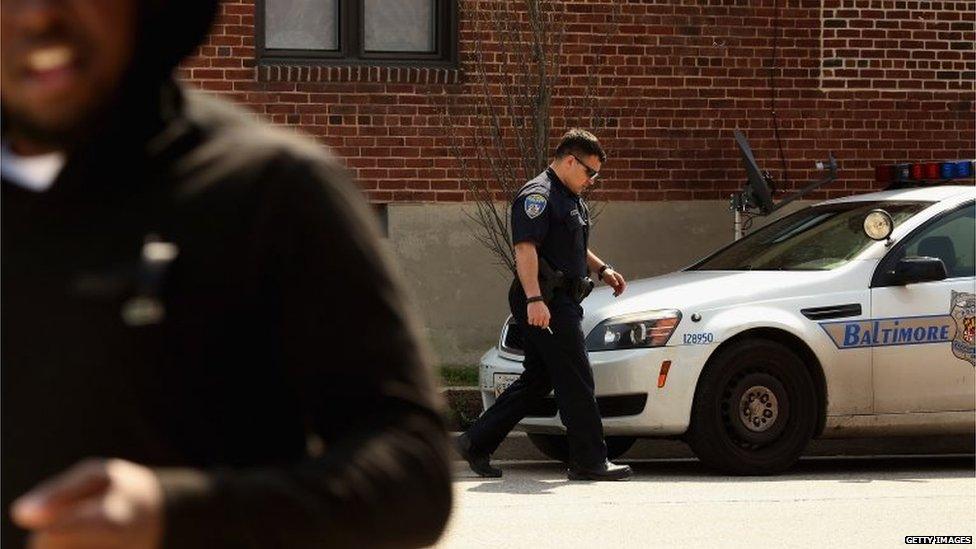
column 581, row 143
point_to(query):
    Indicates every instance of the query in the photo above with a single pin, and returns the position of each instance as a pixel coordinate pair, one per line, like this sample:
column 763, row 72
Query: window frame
column 882, row 278
column 352, row 47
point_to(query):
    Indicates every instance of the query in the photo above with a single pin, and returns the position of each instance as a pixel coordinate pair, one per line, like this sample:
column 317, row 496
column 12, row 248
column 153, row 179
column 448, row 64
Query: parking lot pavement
column 822, row 502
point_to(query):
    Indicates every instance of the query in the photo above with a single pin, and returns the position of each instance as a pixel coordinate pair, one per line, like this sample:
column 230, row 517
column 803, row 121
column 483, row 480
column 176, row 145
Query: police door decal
column 963, row 313
column 956, row 328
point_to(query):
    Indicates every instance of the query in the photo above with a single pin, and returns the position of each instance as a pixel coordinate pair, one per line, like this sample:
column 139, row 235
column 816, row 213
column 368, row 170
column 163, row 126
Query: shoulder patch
column 535, row 204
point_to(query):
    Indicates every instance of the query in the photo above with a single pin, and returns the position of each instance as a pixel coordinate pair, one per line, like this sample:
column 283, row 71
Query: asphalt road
column 822, row 502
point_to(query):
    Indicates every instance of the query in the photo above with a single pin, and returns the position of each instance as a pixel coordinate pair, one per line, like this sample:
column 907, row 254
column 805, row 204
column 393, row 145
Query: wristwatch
column 603, row 269
column 534, row 299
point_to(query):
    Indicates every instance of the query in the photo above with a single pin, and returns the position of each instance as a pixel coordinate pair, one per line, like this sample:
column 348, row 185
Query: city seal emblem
column 963, row 312
column 535, row 204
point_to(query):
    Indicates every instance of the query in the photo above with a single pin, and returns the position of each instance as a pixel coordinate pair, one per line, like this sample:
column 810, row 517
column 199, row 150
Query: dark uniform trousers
column 556, row 361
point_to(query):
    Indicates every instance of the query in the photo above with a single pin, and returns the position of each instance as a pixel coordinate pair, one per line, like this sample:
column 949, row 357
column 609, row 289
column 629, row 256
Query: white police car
column 808, row 327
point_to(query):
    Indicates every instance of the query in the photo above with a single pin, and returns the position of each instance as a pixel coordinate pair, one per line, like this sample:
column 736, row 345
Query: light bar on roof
column 924, row 172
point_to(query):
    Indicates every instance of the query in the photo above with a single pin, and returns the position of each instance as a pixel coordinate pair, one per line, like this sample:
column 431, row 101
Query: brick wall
column 874, row 81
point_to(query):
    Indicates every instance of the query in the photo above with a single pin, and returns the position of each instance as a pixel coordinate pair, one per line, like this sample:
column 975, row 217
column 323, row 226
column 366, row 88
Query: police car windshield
column 819, row 238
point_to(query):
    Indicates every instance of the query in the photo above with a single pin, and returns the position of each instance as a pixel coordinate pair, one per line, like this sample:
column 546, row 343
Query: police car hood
column 700, row 290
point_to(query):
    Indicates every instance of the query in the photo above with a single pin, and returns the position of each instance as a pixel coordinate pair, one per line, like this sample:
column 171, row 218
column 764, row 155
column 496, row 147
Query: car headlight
column 634, row 331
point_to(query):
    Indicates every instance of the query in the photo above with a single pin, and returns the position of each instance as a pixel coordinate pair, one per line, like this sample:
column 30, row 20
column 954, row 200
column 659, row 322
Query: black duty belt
column 553, row 280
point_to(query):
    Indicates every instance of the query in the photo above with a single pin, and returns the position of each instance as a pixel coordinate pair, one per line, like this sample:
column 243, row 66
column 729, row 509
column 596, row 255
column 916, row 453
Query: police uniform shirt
column 546, row 213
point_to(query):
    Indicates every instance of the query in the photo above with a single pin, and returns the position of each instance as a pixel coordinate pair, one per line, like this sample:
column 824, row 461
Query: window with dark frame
column 360, row 32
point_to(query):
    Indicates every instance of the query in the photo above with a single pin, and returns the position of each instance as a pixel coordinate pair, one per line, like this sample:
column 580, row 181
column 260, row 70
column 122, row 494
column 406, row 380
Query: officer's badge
column 963, row 312
column 535, row 204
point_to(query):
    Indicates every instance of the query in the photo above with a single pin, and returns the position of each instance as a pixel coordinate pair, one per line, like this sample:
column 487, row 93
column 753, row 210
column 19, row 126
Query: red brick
column 668, row 83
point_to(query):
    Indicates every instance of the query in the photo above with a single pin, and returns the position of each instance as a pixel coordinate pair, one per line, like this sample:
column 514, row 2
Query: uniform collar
column 555, row 179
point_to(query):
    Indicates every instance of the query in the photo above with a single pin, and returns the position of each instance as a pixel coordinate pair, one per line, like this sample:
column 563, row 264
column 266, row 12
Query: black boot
column 604, row 471
column 477, row 462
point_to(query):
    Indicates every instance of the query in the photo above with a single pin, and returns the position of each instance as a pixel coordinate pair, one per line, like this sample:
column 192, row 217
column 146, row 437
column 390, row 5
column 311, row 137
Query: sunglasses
column 590, row 172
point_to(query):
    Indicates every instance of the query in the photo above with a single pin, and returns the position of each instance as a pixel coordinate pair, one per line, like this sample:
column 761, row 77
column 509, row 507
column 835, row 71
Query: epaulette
column 539, row 185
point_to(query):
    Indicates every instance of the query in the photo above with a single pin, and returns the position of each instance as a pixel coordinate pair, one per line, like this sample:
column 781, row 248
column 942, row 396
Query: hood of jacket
column 148, row 100
column 168, row 31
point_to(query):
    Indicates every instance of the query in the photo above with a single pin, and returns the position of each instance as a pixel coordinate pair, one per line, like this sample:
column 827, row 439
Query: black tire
column 557, row 446
column 755, row 409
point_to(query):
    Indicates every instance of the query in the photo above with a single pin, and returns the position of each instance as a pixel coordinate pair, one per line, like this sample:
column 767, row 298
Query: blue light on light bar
column 964, row 169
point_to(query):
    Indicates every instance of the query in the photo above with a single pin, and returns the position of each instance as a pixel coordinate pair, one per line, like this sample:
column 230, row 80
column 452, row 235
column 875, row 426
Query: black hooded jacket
column 265, row 364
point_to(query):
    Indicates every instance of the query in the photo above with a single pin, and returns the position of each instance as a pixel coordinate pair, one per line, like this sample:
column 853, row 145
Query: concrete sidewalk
column 821, row 502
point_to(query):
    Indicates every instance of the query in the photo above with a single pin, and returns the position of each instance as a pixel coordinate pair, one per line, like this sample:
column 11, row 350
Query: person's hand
column 97, row 503
column 615, row 280
column 538, row 314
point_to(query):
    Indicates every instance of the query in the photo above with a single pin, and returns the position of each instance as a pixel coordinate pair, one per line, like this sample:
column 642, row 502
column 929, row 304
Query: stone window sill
column 357, row 73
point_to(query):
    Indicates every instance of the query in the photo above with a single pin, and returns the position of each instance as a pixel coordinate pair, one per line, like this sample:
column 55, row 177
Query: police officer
column 550, row 230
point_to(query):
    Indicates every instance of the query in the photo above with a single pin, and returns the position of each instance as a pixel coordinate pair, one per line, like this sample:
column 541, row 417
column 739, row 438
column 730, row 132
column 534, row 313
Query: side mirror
column 918, row 269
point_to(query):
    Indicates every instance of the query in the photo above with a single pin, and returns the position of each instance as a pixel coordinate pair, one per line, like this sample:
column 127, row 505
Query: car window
column 818, row 238
column 951, row 238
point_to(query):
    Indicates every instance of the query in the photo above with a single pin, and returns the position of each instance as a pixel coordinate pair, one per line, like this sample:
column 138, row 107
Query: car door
column 922, row 333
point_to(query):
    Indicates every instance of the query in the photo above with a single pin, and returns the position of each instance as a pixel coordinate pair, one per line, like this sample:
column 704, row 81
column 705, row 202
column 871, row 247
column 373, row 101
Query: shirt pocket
column 574, row 221
column 576, row 226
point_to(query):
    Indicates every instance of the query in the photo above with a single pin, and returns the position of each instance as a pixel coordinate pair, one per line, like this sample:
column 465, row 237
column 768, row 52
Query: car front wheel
column 755, row 410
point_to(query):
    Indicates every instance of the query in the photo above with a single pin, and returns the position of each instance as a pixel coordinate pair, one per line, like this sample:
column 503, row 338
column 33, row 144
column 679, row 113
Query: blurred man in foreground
column 203, row 345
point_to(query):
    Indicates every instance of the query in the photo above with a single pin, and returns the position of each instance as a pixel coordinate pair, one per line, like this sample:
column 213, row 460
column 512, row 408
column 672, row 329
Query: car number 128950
column 699, row 339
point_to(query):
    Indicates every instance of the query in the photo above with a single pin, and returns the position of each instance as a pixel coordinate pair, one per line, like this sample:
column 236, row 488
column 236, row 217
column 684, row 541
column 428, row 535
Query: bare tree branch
column 499, row 129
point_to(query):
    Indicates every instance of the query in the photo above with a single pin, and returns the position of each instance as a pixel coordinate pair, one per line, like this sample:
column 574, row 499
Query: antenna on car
column 756, row 198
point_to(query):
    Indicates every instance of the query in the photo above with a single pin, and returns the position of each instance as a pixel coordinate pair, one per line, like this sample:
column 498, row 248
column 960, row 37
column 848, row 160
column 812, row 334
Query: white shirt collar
column 34, row 173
